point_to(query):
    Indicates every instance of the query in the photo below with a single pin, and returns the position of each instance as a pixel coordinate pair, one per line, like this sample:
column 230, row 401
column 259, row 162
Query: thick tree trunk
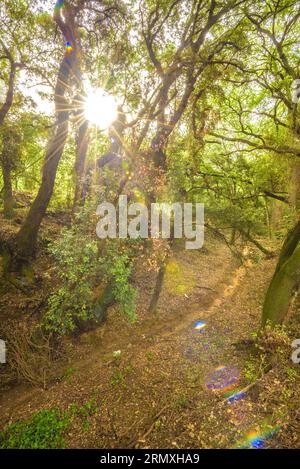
column 285, row 280
column 69, row 72
column 289, row 245
column 27, row 236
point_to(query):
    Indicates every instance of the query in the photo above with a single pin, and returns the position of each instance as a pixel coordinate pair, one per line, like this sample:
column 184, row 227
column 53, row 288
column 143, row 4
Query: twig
column 206, row 288
column 134, row 441
column 15, row 283
column 251, row 385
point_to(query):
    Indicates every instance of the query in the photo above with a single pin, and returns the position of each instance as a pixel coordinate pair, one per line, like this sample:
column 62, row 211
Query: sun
column 100, row 108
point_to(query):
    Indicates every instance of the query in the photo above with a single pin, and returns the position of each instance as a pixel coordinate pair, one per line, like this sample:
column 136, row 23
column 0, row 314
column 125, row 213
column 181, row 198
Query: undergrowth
column 80, row 269
column 43, row 430
column 46, row 428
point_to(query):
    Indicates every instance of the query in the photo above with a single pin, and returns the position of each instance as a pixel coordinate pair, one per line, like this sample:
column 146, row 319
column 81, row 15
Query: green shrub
column 76, row 267
column 118, row 269
column 44, row 430
column 79, row 270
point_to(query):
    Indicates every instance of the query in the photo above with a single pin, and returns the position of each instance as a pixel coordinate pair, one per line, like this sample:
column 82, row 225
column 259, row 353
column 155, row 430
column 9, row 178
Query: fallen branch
column 135, row 440
column 206, row 288
column 256, row 243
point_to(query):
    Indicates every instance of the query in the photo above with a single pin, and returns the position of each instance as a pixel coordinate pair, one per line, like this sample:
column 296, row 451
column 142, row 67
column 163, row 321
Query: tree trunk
column 295, row 185
column 157, row 289
column 69, row 72
column 8, row 199
column 10, row 91
column 82, row 145
column 27, row 236
column 285, row 280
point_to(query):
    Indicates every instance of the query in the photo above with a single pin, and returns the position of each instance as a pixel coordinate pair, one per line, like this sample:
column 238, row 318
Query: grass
column 181, row 402
column 119, row 376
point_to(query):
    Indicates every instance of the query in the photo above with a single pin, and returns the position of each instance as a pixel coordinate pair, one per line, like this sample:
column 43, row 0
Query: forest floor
column 163, row 382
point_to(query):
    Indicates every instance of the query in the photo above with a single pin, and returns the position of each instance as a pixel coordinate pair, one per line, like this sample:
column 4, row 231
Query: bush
column 79, row 270
column 76, row 267
column 44, row 430
column 118, row 269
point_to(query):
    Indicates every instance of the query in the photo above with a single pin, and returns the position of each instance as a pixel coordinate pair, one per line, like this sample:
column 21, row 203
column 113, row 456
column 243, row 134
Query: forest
column 149, row 224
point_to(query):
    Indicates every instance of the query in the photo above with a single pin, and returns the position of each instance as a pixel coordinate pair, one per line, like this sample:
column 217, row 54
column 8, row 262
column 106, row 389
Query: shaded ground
column 168, row 384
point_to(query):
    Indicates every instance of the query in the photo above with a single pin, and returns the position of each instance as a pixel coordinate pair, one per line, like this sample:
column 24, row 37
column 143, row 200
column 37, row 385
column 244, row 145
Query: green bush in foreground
column 43, row 430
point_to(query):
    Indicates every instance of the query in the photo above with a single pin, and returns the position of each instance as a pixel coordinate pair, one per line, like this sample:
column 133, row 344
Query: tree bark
column 294, row 198
column 11, row 82
column 27, row 236
column 82, row 145
column 285, row 280
column 157, row 289
column 8, row 199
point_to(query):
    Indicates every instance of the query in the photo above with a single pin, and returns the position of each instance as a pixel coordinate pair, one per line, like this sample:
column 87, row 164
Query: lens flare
column 220, row 368
column 257, row 439
column 222, row 379
column 59, row 5
column 235, row 396
column 199, row 325
column 100, row 108
column 69, row 47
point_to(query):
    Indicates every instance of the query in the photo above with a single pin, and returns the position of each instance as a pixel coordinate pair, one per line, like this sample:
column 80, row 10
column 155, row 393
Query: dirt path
column 169, row 386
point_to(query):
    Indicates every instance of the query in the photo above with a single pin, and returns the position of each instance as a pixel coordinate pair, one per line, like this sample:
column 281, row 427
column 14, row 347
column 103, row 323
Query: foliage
column 44, row 429
column 250, row 370
column 79, row 268
column 119, row 375
column 76, row 267
column 118, row 267
column 206, row 88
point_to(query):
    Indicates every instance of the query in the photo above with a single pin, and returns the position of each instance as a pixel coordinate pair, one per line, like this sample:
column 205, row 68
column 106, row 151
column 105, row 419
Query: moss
column 281, row 289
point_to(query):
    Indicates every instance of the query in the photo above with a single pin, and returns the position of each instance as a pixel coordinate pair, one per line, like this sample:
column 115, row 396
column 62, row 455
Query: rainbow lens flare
column 255, row 439
column 235, row 396
column 69, row 47
column 223, row 378
column 199, row 325
column 220, row 368
column 59, row 5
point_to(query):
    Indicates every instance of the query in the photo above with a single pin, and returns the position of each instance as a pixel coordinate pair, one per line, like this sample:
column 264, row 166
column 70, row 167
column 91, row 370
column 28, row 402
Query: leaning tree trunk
column 69, row 72
column 285, row 280
column 27, row 236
